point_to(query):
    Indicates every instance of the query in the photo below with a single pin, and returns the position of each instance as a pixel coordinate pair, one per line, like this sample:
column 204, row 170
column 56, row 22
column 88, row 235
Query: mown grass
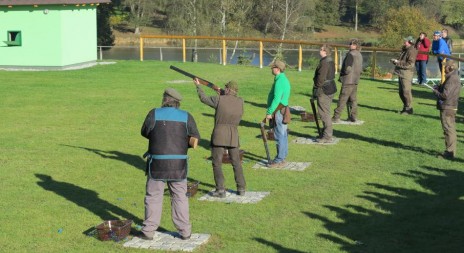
column 70, row 157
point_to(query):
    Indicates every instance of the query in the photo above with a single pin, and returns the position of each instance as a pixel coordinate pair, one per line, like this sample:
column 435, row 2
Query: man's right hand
column 268, row 116
column 196, row 81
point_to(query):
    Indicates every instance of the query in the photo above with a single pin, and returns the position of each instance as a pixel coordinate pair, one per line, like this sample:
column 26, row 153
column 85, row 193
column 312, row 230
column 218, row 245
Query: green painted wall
column 66, row 35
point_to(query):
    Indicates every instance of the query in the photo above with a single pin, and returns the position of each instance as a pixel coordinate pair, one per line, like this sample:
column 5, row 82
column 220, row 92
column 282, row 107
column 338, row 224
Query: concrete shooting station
column 48, row 34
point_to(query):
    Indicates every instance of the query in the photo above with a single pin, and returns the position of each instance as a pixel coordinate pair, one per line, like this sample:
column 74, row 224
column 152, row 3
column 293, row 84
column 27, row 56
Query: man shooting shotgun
column 200, row 80
column 228, row 108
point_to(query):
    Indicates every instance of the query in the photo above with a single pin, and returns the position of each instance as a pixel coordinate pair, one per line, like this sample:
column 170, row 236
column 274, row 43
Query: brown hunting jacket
column 448, row 92
column 229, row 111
column 406, row 62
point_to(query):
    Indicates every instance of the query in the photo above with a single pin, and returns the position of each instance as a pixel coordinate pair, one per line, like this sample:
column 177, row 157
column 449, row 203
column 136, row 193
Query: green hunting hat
column 173, row 93
column 278, row 64
column 232, row 85
column 409, row 39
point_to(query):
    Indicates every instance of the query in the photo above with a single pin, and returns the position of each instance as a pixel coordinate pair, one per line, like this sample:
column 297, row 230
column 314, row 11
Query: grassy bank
column 70, row 156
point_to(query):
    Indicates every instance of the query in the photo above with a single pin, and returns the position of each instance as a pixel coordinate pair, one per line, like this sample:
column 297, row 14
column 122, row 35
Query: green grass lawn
column 71, row 157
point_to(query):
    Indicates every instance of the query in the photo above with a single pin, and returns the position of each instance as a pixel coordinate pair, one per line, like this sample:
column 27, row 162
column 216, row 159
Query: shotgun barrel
column 201, row 80
column 316, row 118
column 263, row 135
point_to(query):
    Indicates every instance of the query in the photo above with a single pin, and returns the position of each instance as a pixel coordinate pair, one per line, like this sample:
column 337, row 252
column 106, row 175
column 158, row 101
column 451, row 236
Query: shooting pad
column 347, row 122
column 232, row 197
column 302, row 140
column 168, row 241
column 295, row 166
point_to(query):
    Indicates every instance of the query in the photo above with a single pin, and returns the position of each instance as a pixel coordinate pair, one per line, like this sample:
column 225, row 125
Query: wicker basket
column 226, row 157
column 192, row 188
column 307, row 117
column 115, row 230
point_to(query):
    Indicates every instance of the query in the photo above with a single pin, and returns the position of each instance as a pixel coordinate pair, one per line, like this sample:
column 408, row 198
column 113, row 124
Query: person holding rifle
column 447, row 102
column 324, row 89
column 404, row 68
column 349, row 76
column 277, row 100
column 168, row 130
column 228, row 114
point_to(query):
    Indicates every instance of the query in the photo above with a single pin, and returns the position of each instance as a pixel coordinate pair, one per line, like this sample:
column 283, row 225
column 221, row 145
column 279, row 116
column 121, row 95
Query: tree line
column 282, row 19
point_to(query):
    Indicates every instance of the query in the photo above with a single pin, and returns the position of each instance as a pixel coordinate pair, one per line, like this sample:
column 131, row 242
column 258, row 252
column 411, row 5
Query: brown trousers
column 347, row 94
column 323, row 107
column 217, row 153
column 405, row 92
column 448, row 123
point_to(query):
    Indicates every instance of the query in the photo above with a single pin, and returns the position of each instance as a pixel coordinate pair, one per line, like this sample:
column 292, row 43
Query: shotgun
column 316, row 118
column 201, row 80
column 263, row 135
column 348, row 109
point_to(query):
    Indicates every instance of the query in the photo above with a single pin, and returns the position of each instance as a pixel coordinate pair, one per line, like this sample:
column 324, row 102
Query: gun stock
column 201, row 80
column 316, row 118
column 263, row 135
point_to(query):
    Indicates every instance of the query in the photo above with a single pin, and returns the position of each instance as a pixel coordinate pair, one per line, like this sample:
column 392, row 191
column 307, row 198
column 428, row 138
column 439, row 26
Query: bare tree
column 290, row 11
column 140, row 12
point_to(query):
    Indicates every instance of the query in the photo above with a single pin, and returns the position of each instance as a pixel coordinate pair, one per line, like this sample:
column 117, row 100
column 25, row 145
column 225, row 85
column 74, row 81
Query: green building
column 48, row 34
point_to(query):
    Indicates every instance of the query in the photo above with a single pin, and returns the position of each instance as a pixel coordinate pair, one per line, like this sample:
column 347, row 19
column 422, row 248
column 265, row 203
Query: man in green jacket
column 277, row 99
column 447, row 102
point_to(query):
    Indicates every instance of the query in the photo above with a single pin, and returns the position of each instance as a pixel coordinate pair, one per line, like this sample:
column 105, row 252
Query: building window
column 14, row 38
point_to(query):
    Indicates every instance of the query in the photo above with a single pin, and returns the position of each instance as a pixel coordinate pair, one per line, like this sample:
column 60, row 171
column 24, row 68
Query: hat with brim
column 437, row 33
column 409, row 39
column 232, row 85
column 173, row 93
column 278, row 64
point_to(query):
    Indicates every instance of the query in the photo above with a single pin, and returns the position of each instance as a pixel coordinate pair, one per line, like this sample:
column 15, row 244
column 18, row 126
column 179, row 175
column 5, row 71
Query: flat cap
column 232, row 84
column 278, row 64
column 410, row 39
column 173, row 93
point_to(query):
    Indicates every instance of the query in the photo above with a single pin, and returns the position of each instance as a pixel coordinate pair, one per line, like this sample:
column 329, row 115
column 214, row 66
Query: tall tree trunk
column 356, row 17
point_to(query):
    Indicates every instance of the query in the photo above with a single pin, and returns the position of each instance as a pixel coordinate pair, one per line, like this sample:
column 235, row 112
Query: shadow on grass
column 277, row 247
column 133, row 160
column 85, row 198
column 393, row 144
column 404, row 219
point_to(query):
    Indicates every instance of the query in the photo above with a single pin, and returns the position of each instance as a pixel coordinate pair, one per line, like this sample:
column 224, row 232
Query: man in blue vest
column 168, row 130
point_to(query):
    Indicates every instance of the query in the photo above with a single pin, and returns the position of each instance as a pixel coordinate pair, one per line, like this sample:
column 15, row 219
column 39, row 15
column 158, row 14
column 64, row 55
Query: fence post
column 300, row 58
column 141, row 48
column 161, row 54
column 260, row 54
column 224, row 53
column 184, row 53
column 336, row 60
column 101, row 54
column 374, row 63
column 443, row 71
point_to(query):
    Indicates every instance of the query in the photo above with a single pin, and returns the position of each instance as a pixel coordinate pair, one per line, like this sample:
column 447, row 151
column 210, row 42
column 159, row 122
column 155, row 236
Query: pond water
column 251, row 56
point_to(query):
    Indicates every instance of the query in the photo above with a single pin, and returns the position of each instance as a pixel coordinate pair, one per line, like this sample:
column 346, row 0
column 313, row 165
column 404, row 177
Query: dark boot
column 219, row 194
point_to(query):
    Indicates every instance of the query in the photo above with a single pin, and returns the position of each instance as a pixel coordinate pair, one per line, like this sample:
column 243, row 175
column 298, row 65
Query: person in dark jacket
column 422, row 45
column 404, row 68
column 447, row 102
column 168, row 130
column 228, row 114
column 324, row 89
column 349, row 76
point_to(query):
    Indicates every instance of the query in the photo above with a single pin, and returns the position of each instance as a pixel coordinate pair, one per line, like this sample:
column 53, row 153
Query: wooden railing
column 261, row 42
